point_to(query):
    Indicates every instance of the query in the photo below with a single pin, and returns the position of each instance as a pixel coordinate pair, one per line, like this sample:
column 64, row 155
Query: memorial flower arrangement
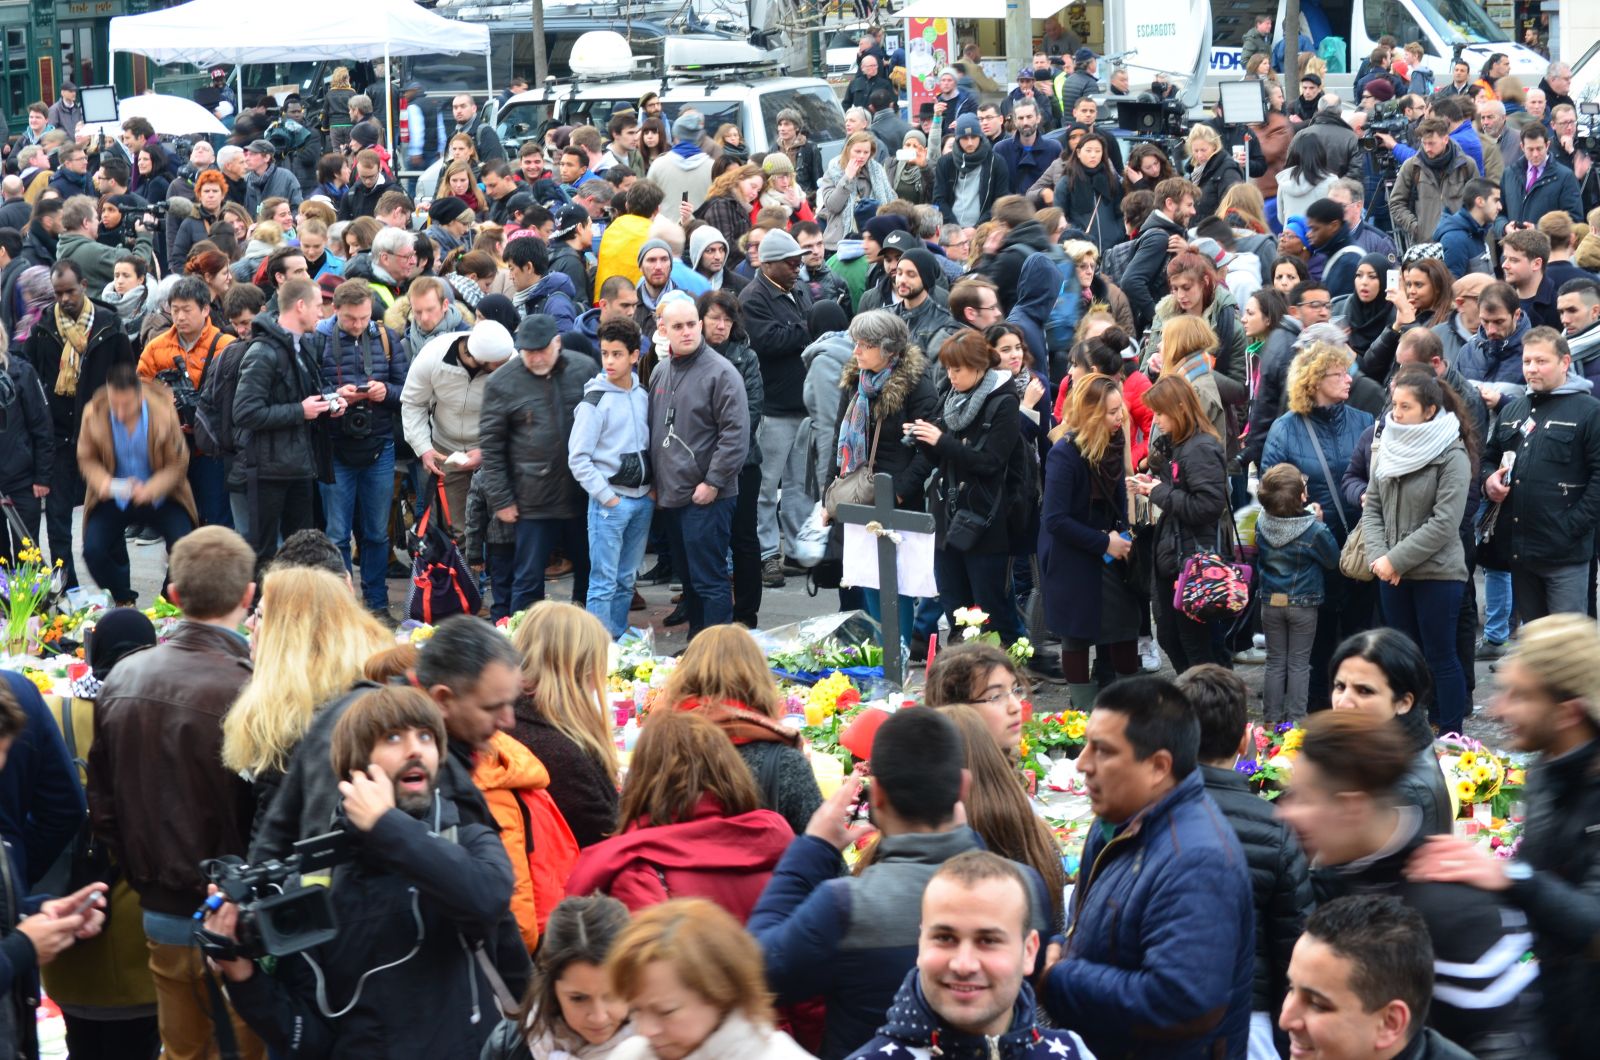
column 1058, row 735
column 826, row 655
column 969, row 626
column 1478, row 777
column 1276, row 747
column 29, row 587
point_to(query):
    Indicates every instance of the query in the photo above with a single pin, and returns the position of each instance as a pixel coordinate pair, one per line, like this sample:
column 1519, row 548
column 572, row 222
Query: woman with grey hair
column 884, row 389
column 792, row 142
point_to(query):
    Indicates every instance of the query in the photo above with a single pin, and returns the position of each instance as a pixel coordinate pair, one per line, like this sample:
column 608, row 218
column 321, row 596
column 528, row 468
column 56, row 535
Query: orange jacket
column 164, row 350
column 504, row 775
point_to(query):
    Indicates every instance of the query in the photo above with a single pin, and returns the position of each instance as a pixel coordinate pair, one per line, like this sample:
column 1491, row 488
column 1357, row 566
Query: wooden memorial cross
column 883, row 519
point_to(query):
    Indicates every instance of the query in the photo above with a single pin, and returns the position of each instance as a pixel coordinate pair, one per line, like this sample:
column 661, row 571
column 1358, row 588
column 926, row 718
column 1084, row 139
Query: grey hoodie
column 609, row 423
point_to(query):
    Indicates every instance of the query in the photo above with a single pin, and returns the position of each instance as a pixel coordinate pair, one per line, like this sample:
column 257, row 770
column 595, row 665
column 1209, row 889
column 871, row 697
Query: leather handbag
column 854, row 487
column 1353, row 557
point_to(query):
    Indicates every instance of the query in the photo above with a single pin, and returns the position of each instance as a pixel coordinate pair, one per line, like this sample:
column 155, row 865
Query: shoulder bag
column 857, row 486
column 1353, row 556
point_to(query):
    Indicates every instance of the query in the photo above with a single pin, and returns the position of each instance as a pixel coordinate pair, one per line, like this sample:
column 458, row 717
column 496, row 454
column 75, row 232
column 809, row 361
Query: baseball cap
column 1315, row 79
column 1025, row 74
column 901, row 242
column 536, row 331
column 1084, row 55
column 568, row 221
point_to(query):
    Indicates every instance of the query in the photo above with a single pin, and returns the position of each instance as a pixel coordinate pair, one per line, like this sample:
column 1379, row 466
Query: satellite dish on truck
column 601, row 53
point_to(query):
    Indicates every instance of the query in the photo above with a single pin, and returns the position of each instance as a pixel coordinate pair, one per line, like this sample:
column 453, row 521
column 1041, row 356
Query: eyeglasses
column 1319, row 303
column 1016, row 692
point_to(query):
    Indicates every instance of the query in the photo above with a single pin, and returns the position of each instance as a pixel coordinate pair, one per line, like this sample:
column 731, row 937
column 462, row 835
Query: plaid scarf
column 74, row 340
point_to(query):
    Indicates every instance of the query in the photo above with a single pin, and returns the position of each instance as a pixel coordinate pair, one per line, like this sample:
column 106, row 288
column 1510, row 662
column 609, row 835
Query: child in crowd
column 609, row 454
column 1294, row 548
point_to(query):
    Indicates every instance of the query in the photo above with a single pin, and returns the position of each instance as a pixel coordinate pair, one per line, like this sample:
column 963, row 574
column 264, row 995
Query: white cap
column 489, row 342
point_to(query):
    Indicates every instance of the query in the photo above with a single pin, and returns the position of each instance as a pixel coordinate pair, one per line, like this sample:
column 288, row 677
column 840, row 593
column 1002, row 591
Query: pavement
column 780, row 607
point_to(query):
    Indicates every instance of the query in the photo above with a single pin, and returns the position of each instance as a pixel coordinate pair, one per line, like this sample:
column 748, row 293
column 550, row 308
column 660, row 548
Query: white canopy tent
column 976, row 8
column 207, row 32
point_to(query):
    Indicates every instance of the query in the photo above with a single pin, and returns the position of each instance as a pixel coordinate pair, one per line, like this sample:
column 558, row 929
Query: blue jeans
column 1497, row 606
column 699, row 534
column 208, row 480
column 1414, row 608
column 536, row 539
column 359, row 499
column 616, row 548
column 105, row 550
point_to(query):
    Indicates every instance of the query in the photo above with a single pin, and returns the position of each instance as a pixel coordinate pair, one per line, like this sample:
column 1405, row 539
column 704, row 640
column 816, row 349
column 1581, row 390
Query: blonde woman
column 311, row 639
column 696, row 984
column 1211, row 168
column 850, row 179
column 730, row 200
column 1189, row 349
column 561, row 715
column 724, row 676
column 1096, row 286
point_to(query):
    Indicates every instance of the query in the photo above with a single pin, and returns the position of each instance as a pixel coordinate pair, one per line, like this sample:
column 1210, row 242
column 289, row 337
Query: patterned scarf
column 853, row 428
column 75, row 339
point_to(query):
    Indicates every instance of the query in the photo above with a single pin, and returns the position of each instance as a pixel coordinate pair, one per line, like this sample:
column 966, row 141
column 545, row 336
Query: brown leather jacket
column 169, row 453
column 158, row 792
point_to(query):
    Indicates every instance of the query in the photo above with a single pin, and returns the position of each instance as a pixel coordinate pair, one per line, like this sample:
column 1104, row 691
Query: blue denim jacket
column 1292, row 554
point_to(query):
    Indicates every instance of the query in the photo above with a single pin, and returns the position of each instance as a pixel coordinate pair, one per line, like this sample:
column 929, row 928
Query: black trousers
column 277, row 507
column 66, row 493
column 746, row 548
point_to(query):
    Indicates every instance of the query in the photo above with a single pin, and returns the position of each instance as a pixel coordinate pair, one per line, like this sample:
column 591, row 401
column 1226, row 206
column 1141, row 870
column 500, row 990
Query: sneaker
column 1250, row 656
column 1489, row 649
column 772, row 572
column 148, row 536
column 1149, row 655
column 1259, row 641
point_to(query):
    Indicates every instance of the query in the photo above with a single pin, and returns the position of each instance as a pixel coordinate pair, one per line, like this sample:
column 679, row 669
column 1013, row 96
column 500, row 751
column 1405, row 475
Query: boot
column 1083, row 695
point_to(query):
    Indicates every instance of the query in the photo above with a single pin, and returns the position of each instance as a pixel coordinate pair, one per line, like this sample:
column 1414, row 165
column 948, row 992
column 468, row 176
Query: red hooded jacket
column 725, row 859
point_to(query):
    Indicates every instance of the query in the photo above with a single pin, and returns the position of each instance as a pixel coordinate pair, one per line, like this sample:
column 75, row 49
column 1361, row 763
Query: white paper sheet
column 914, row 561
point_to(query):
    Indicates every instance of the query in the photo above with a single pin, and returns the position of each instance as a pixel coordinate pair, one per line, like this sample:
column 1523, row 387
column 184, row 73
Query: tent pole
column 388, row 101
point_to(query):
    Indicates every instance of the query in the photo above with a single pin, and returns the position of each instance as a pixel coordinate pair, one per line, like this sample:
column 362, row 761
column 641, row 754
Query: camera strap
column 221, row 1020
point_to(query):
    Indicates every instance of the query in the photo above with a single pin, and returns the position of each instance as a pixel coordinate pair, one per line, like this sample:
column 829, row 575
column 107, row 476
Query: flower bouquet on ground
column 808, row 651
column 1047, row 737
column 1483, row 785
column 29, row 588
column 1276, row 747
column 969, row 627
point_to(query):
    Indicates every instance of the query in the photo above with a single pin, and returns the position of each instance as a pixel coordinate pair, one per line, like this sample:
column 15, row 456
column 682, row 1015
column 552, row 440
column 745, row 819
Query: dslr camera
column 278, row 913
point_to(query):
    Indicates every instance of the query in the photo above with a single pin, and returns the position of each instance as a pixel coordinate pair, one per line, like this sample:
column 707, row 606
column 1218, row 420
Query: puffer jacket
column 1465, row 242
column 272, row 433
column 1559, row 842
column 1279, row 880
column 1168, row 890
column 441, row 401
column 1338, row 429
column 503, row 773
column 1555, row 483
column 1192, row 493
column 1414, row 520
column 1267, row 404
column 1292, row 555
column 523, row 429
column 911, row 1026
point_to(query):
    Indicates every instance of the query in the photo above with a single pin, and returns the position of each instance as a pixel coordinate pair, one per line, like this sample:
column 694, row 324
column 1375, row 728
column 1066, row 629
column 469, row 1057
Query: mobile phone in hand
column 87, row 903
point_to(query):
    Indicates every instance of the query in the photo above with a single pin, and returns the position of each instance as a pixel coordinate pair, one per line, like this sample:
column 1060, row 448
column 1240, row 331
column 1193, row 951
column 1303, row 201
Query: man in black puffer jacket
column 278, row 396
column 1279, row 880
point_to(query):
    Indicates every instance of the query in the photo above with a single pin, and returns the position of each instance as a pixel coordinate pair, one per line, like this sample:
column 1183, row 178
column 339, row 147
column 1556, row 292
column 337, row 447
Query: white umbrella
column 168, row 115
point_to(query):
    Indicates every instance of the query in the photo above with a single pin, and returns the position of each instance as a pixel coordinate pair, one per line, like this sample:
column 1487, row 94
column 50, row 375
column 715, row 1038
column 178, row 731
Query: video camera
column 278, row 914
column 1387, row 118
column 1588, row 138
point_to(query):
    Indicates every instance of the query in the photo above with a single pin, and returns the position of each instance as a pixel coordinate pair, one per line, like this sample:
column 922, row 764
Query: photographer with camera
column 80, row 242
column 364, row 366
column 180, row 357
column 1430, row 184
column 420, row 893
column 159, row 715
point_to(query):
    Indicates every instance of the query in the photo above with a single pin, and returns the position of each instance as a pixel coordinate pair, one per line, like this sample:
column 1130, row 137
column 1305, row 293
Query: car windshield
column 818, row 106
column 1461, row 20
column 517, row 122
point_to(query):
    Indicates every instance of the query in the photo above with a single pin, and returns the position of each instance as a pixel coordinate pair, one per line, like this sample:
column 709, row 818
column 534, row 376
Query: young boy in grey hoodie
column 1293, row 549
column 609, row 454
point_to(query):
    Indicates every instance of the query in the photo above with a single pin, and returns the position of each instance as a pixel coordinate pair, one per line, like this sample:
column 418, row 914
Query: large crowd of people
column 1114, row 372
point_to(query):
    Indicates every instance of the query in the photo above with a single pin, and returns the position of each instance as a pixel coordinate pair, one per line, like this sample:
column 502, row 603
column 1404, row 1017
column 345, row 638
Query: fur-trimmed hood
column 902, row 380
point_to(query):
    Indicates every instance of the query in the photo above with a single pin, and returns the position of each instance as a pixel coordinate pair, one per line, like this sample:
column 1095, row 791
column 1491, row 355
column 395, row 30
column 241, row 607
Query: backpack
column 552, row 851
column 214, row 434
column 441, row 582
column 1063, row 321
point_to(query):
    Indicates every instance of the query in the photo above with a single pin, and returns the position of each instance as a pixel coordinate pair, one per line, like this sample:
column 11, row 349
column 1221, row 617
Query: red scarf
column 742, row 724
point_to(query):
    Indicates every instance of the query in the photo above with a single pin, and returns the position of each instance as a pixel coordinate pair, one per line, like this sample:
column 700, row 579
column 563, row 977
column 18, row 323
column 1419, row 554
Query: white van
column 749, row 95
column 1440, row 26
